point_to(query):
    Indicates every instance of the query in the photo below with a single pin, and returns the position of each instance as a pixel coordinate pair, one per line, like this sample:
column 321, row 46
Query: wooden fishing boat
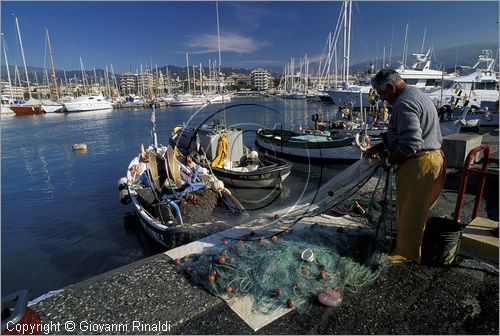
column 224, row 153
column 175, row 202
column 319, row 147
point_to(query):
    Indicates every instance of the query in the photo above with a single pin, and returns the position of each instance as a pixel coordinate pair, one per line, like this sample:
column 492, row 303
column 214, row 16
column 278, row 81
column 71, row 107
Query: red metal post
column 483, row 174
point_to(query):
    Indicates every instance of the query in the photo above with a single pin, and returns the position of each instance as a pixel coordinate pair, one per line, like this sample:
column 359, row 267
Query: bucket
column 441, row 241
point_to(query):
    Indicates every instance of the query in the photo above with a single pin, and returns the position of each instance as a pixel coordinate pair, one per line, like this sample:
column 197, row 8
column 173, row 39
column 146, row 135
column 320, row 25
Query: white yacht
column 219, row 98
column 419, row 74
column 476, row 86
column 88, row 103
column 189, row 100
column 6, row 101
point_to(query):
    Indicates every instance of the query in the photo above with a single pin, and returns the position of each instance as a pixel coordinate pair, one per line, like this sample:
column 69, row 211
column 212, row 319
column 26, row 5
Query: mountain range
column 447, row 59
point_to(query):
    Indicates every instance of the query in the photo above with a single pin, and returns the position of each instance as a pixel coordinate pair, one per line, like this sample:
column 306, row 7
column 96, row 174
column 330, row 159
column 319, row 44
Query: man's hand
column 373, row 151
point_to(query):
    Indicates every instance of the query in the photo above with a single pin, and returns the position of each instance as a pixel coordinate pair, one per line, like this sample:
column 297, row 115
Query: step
column 479, row 239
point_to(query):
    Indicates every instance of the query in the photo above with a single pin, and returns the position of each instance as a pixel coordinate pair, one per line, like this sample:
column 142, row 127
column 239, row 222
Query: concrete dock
column 152, row 297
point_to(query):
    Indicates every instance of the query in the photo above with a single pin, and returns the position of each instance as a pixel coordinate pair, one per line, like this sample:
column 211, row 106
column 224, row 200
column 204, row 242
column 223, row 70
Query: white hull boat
column 239, row 167
column 52, row 107
column 87, row 103
column 313, row 148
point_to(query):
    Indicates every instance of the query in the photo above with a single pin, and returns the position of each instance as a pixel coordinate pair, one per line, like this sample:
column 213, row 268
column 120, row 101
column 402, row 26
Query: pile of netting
column 277, row 273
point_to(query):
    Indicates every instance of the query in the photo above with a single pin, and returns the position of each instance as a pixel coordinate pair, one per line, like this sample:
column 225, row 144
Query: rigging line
column 360, row 31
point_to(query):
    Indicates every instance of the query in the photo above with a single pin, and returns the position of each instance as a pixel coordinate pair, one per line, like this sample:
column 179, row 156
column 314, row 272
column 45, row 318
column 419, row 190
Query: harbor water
column 61, row 218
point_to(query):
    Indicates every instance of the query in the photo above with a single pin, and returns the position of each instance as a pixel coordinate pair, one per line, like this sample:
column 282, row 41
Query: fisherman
column 413, row 146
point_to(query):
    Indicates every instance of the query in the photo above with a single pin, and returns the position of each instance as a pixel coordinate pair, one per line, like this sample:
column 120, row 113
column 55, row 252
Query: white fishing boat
column 174, row 201
column 319, row 147
column 88, row 103
column 232, row 162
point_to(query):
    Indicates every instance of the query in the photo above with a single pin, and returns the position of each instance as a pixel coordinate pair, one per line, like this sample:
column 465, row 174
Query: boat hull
column 271, row 176
column 27, row 110
column 6, row 110
column 187, row 103
column 339, row 151
column 52, row 108
column 70, row 107
column 269, row 172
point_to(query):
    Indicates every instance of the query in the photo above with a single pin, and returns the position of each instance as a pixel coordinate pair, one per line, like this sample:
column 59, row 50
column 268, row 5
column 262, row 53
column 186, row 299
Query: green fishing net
column 271, row 269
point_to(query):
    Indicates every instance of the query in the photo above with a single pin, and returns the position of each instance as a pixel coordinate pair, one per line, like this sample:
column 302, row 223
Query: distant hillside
column 447, row 58
column 443, row 58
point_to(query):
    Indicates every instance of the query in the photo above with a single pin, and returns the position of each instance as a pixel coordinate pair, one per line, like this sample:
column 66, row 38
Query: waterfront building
column 260, row 79
column 128, row 83
column 16, row 91
column 145, row 82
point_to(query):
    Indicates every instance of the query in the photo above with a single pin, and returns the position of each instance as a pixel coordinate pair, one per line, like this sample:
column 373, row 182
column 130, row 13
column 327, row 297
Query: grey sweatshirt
column 414, row 123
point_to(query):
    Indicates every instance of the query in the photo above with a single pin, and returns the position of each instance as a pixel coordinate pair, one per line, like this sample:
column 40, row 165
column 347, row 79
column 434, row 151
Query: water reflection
column 62, row 206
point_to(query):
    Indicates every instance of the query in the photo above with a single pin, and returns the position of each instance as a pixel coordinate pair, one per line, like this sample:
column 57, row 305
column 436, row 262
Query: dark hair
column 384, row 77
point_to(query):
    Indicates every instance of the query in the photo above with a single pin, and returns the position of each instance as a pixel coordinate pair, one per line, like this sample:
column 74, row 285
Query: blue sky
column 254, row 33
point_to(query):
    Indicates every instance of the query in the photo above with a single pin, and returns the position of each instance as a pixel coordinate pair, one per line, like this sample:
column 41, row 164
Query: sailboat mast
column 423, row 41
column 349, row 41
column 54, row 81
column 218, row 33
column 187, row 67
column 7, row 66
column 405, row 47
column 83, row 76
column 24, row 60
column 345, row 43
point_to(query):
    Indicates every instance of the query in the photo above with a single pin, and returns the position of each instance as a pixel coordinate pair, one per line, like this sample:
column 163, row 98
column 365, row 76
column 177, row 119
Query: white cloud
column 239, row 44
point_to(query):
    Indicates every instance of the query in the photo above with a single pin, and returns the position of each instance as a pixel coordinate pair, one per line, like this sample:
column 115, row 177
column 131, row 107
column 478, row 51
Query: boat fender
column 122, row 183
column 253, row 155
column 203, row 171
column 80, row 147
column 124, row 196
column 363, row 141
column 217, row 185
column 176, row 132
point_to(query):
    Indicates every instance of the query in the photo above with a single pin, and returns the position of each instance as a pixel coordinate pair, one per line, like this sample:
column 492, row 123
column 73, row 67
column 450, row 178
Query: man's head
column 388, row 84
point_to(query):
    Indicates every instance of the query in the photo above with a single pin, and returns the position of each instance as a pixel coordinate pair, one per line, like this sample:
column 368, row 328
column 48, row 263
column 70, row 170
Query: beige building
column 17, row 92
column 261, row 79
column 128, row 83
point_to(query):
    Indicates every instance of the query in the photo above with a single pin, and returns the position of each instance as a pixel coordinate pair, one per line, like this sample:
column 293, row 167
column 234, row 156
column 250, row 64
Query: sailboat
column 219, row 96
column 6, row 101
column 50, row 106
column 188, row 99
column 32, row 106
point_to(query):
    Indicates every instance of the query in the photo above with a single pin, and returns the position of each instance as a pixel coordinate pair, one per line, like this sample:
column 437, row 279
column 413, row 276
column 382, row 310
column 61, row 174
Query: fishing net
column 363, row 189
column 273, row 272
column 267, row 264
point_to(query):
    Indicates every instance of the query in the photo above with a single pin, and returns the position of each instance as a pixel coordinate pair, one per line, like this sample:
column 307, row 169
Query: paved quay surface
column 404, row 299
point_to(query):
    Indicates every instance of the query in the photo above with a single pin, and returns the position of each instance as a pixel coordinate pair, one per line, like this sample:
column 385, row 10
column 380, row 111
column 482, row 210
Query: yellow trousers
column 419, row 182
